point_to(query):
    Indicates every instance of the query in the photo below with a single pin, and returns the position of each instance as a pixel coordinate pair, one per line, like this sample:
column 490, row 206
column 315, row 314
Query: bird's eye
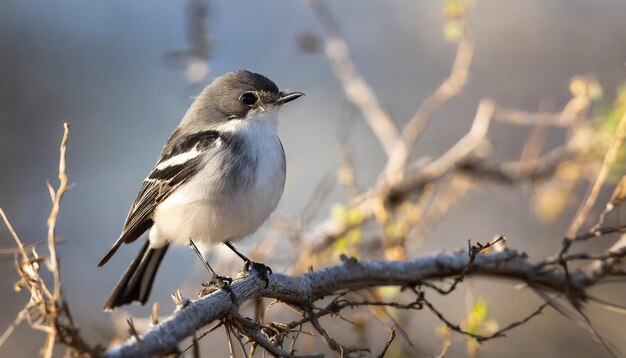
column 248, row 98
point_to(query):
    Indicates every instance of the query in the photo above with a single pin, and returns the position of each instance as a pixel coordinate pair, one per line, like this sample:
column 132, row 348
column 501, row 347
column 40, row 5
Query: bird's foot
column 218, row 283
column 262, row 269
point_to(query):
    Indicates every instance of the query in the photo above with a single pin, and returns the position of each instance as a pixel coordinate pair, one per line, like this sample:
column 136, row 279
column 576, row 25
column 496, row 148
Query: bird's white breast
column 209, row 208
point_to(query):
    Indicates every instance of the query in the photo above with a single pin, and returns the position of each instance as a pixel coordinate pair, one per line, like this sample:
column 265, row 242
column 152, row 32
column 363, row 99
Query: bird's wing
column 182, row 158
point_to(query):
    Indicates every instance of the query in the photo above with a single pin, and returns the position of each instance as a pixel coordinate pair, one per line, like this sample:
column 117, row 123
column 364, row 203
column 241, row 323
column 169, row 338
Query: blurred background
column 123, row 74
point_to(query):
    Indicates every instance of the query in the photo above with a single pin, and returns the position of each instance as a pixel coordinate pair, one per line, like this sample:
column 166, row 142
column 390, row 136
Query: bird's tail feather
column 137, row 281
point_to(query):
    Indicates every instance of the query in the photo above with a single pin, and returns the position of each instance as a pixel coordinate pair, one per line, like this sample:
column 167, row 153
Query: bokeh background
column 119, row 73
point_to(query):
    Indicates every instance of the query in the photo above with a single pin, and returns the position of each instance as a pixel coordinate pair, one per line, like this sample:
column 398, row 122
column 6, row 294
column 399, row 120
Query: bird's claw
column 218, row 283
column 262, row 269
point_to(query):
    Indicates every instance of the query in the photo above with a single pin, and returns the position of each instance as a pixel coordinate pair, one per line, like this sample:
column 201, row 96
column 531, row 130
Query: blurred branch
column 455, row 155
column 357, row 90
column 524, row 118
column 325, row 234
column 594, row 189
column 195, row 59
column 610, row 263
column 447, row 197
column 397, row 146
column 617, row 199
column 448, row 89
column 515, row 172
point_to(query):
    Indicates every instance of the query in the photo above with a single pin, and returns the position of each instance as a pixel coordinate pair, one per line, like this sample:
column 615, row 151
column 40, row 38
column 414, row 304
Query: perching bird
column 219, row 177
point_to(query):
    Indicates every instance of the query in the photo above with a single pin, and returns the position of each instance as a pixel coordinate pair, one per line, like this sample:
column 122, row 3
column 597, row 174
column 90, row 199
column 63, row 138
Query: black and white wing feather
column 182, row 157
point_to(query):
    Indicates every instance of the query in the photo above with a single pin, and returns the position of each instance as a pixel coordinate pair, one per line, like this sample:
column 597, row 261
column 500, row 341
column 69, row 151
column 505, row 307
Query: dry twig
column 46, row 309
column 594, row 189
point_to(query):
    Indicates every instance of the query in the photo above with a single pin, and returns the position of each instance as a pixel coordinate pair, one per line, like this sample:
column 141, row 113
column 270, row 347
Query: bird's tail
column 137, row 281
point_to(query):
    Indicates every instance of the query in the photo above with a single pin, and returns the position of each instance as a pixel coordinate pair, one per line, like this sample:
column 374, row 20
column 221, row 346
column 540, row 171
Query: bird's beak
column 288, row 97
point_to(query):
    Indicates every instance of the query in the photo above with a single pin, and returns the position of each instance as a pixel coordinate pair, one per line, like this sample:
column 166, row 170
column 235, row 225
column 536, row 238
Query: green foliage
column 478, row 322
column 590, row 140
column 606, row 123
column 455, row 13
column 347, row 243
column 608, row 119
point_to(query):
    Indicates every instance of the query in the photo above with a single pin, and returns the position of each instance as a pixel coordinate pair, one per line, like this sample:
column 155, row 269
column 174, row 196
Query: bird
column 218, row 178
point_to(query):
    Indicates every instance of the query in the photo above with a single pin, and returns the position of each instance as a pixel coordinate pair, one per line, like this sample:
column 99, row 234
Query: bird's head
column 239, row 95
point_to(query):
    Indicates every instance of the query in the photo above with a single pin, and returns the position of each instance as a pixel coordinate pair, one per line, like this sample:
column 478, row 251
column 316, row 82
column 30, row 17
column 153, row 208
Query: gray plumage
column 218, row 178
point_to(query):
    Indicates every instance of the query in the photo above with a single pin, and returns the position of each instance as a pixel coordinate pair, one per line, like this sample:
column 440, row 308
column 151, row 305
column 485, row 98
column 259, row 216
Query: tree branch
column 301, row 291
column 358, row 92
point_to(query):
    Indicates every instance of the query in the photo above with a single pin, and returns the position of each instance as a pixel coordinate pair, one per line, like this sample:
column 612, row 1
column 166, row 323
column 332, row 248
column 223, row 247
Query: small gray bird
column 219, row 177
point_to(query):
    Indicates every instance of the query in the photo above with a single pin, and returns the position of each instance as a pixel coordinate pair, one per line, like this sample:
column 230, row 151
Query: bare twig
column 19, row 243
column 7, row 332
column 594, row 189
column 607, row 264
column 331, row 342
column 253, row 331
column 195, row 352
column 396, row 325
column 447, row 343
column 54, row 213
column 482, row 338
column 18, row 250
column 617, row 198
column 202, row 335
column 229, row 339
column 473, row 251
column 392, row 336
column 46, row 310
